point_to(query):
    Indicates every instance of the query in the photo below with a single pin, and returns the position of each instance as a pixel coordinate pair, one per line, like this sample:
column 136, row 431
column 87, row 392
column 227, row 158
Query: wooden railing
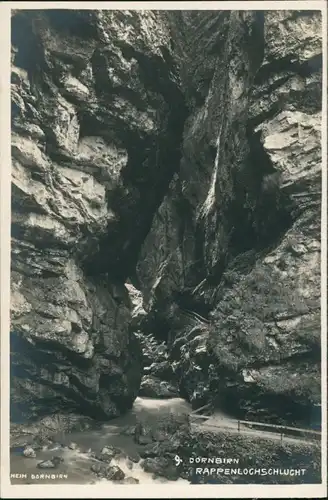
column 248, row 425
column 282, row 430
column 205, row 407
column 194, row 315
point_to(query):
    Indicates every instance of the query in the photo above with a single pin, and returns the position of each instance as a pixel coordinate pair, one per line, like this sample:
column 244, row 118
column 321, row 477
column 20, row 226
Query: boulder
column 47, row 464
column 110, row 451
column 98, row 469
column 114, row 473
column 73, row 446
column 103, row 457
column 110, row 472
column 161, row 466
column 29, row 452
column 135, row 457
column 130, row 480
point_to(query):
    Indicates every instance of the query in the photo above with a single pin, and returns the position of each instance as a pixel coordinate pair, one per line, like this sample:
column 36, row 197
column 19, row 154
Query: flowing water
column 77, row 463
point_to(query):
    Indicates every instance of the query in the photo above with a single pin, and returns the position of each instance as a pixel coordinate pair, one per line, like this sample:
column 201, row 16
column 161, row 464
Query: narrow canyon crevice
column 166, row 199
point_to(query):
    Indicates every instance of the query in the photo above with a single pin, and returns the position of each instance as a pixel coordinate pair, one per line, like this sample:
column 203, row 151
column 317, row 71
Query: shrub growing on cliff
column 152, row 350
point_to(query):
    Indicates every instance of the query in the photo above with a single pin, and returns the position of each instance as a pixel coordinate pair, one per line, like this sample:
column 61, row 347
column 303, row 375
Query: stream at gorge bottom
column 76, row 465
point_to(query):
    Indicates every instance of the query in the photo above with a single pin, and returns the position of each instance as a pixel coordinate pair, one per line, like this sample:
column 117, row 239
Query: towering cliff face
column 97, row 119
column 180, row 150
column 239, row 228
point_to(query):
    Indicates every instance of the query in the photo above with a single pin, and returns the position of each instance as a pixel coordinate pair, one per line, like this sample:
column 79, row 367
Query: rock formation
column 180, row 152
column 237, row 236
column 97, row 120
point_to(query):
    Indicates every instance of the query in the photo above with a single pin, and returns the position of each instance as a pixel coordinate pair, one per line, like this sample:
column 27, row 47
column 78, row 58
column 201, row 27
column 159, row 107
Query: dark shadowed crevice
column 72, row 22
column 152, row 162
column 256, row 41
column 30, row 53
column 259, row 223
column 288, row 64
column 187, row 301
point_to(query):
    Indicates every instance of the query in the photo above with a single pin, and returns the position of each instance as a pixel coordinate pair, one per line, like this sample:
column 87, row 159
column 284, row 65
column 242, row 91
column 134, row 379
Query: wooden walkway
column 215, row 422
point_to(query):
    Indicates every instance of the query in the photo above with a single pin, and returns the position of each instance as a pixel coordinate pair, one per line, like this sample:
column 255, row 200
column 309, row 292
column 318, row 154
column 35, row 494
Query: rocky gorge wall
column 237, row 237
column 180, row 151
column 97, row 118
